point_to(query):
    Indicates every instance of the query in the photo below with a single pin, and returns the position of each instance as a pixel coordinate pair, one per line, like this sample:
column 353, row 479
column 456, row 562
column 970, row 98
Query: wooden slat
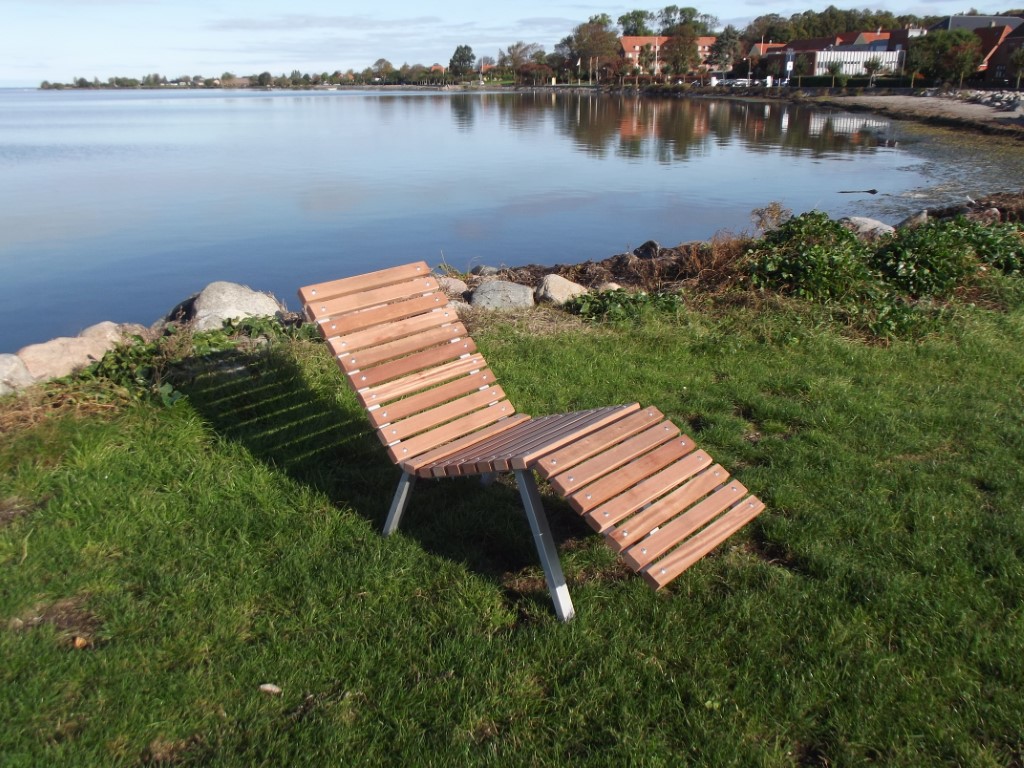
column 421, row 465
column 357, row 302
column 400, row 409
column 319, row 291
column 550, row 465
column 653, row 546
column 663, row 509
column 382, row 334
column 418, row 382
column 614, row 457
column 453, row 430
column 421, row 422
column 642, row 493
column 420, row 361
column 386, row 313
column 672, row 565
column 501, row 454
column 597, row 493
column 367, row 358
column 463, row 462
column 596, row 418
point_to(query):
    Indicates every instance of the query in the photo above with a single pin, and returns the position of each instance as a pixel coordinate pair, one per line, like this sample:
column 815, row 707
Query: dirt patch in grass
column 173, row 751
column 76, row 624
column 776, row 555
column 12, row 509
column 540, row 321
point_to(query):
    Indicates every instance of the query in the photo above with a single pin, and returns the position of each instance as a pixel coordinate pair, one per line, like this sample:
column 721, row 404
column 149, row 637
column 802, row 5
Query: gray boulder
column 482, row 270
column 501, row 294
column 987, row 216
column 865, row 228
column 65, row 355
column 914, row 220
column 555, row 289
column 649, row 250
column 452, row 286
column 14, row 376
column 107, row 332
column 220, row 301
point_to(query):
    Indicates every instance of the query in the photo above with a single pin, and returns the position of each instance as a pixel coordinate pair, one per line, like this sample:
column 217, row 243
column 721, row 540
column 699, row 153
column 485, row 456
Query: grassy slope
column 871, row 614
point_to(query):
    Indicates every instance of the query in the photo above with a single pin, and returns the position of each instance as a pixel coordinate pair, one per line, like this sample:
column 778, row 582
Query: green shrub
column 998, row 245
column 620, row 305
column 812, row 257
column 929, row 260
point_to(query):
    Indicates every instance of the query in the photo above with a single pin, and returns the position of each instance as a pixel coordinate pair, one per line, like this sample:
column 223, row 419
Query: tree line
column 591, row 52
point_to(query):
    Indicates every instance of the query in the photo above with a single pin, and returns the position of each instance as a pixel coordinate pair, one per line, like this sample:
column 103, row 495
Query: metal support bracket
column 399, row 503
column 545, row 544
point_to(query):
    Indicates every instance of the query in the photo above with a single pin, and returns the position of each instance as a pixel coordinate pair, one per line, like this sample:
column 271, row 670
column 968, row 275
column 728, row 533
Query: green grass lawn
column 159, row 564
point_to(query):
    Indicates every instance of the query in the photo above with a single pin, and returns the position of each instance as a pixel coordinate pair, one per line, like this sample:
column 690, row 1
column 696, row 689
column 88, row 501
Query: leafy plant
column 145, row 369
column 621, row 305
column 929, row 260
column 997, row 245
column 812, row 257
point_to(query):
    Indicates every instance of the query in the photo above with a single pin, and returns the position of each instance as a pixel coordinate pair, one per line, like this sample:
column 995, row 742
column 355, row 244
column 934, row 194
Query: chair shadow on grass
column 261, row 400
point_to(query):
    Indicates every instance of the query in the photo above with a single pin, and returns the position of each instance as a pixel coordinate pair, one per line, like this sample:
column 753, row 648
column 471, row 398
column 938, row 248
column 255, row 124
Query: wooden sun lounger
column 659, row 501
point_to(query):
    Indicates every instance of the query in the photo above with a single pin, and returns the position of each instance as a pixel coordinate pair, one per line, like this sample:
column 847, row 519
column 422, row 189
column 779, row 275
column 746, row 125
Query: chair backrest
column 410, row 361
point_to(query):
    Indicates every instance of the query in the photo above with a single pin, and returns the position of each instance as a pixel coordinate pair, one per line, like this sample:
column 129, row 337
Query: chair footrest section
column 659, row 501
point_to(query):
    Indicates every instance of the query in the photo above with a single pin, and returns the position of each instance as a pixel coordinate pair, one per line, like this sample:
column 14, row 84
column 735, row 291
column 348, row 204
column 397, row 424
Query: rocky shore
column 648, row 267
column 990, row 112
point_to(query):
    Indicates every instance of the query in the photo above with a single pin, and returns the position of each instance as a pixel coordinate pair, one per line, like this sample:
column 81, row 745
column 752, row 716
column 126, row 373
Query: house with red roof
column 634, row 46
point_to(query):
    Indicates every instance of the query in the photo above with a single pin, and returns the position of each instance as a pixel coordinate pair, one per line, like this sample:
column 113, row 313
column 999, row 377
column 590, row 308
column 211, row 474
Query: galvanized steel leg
column 545, row 544
column 398, row 505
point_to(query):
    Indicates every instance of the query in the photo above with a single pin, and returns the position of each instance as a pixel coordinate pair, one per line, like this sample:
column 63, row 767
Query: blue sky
column 60, row 40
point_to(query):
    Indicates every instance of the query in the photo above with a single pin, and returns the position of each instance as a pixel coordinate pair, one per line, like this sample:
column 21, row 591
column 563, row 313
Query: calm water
column 115, row 206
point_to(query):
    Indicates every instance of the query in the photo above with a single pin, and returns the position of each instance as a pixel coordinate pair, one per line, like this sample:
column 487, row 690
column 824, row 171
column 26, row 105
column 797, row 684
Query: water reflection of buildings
column 848, row 125
column 672, row 129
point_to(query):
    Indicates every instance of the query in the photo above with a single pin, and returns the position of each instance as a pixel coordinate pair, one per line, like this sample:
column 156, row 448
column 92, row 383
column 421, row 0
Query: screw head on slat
column 605, row 514
column 572, row 479
column 643, row 550
column 589, row 497
column 323, row 309
column 663, row 571
column 625, row 534
column 334, row 326
column 362, row 378
column 313, row 292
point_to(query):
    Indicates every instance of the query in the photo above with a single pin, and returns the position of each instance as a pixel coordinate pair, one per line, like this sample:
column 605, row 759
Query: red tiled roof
column 637, row 42
column 762, row 49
